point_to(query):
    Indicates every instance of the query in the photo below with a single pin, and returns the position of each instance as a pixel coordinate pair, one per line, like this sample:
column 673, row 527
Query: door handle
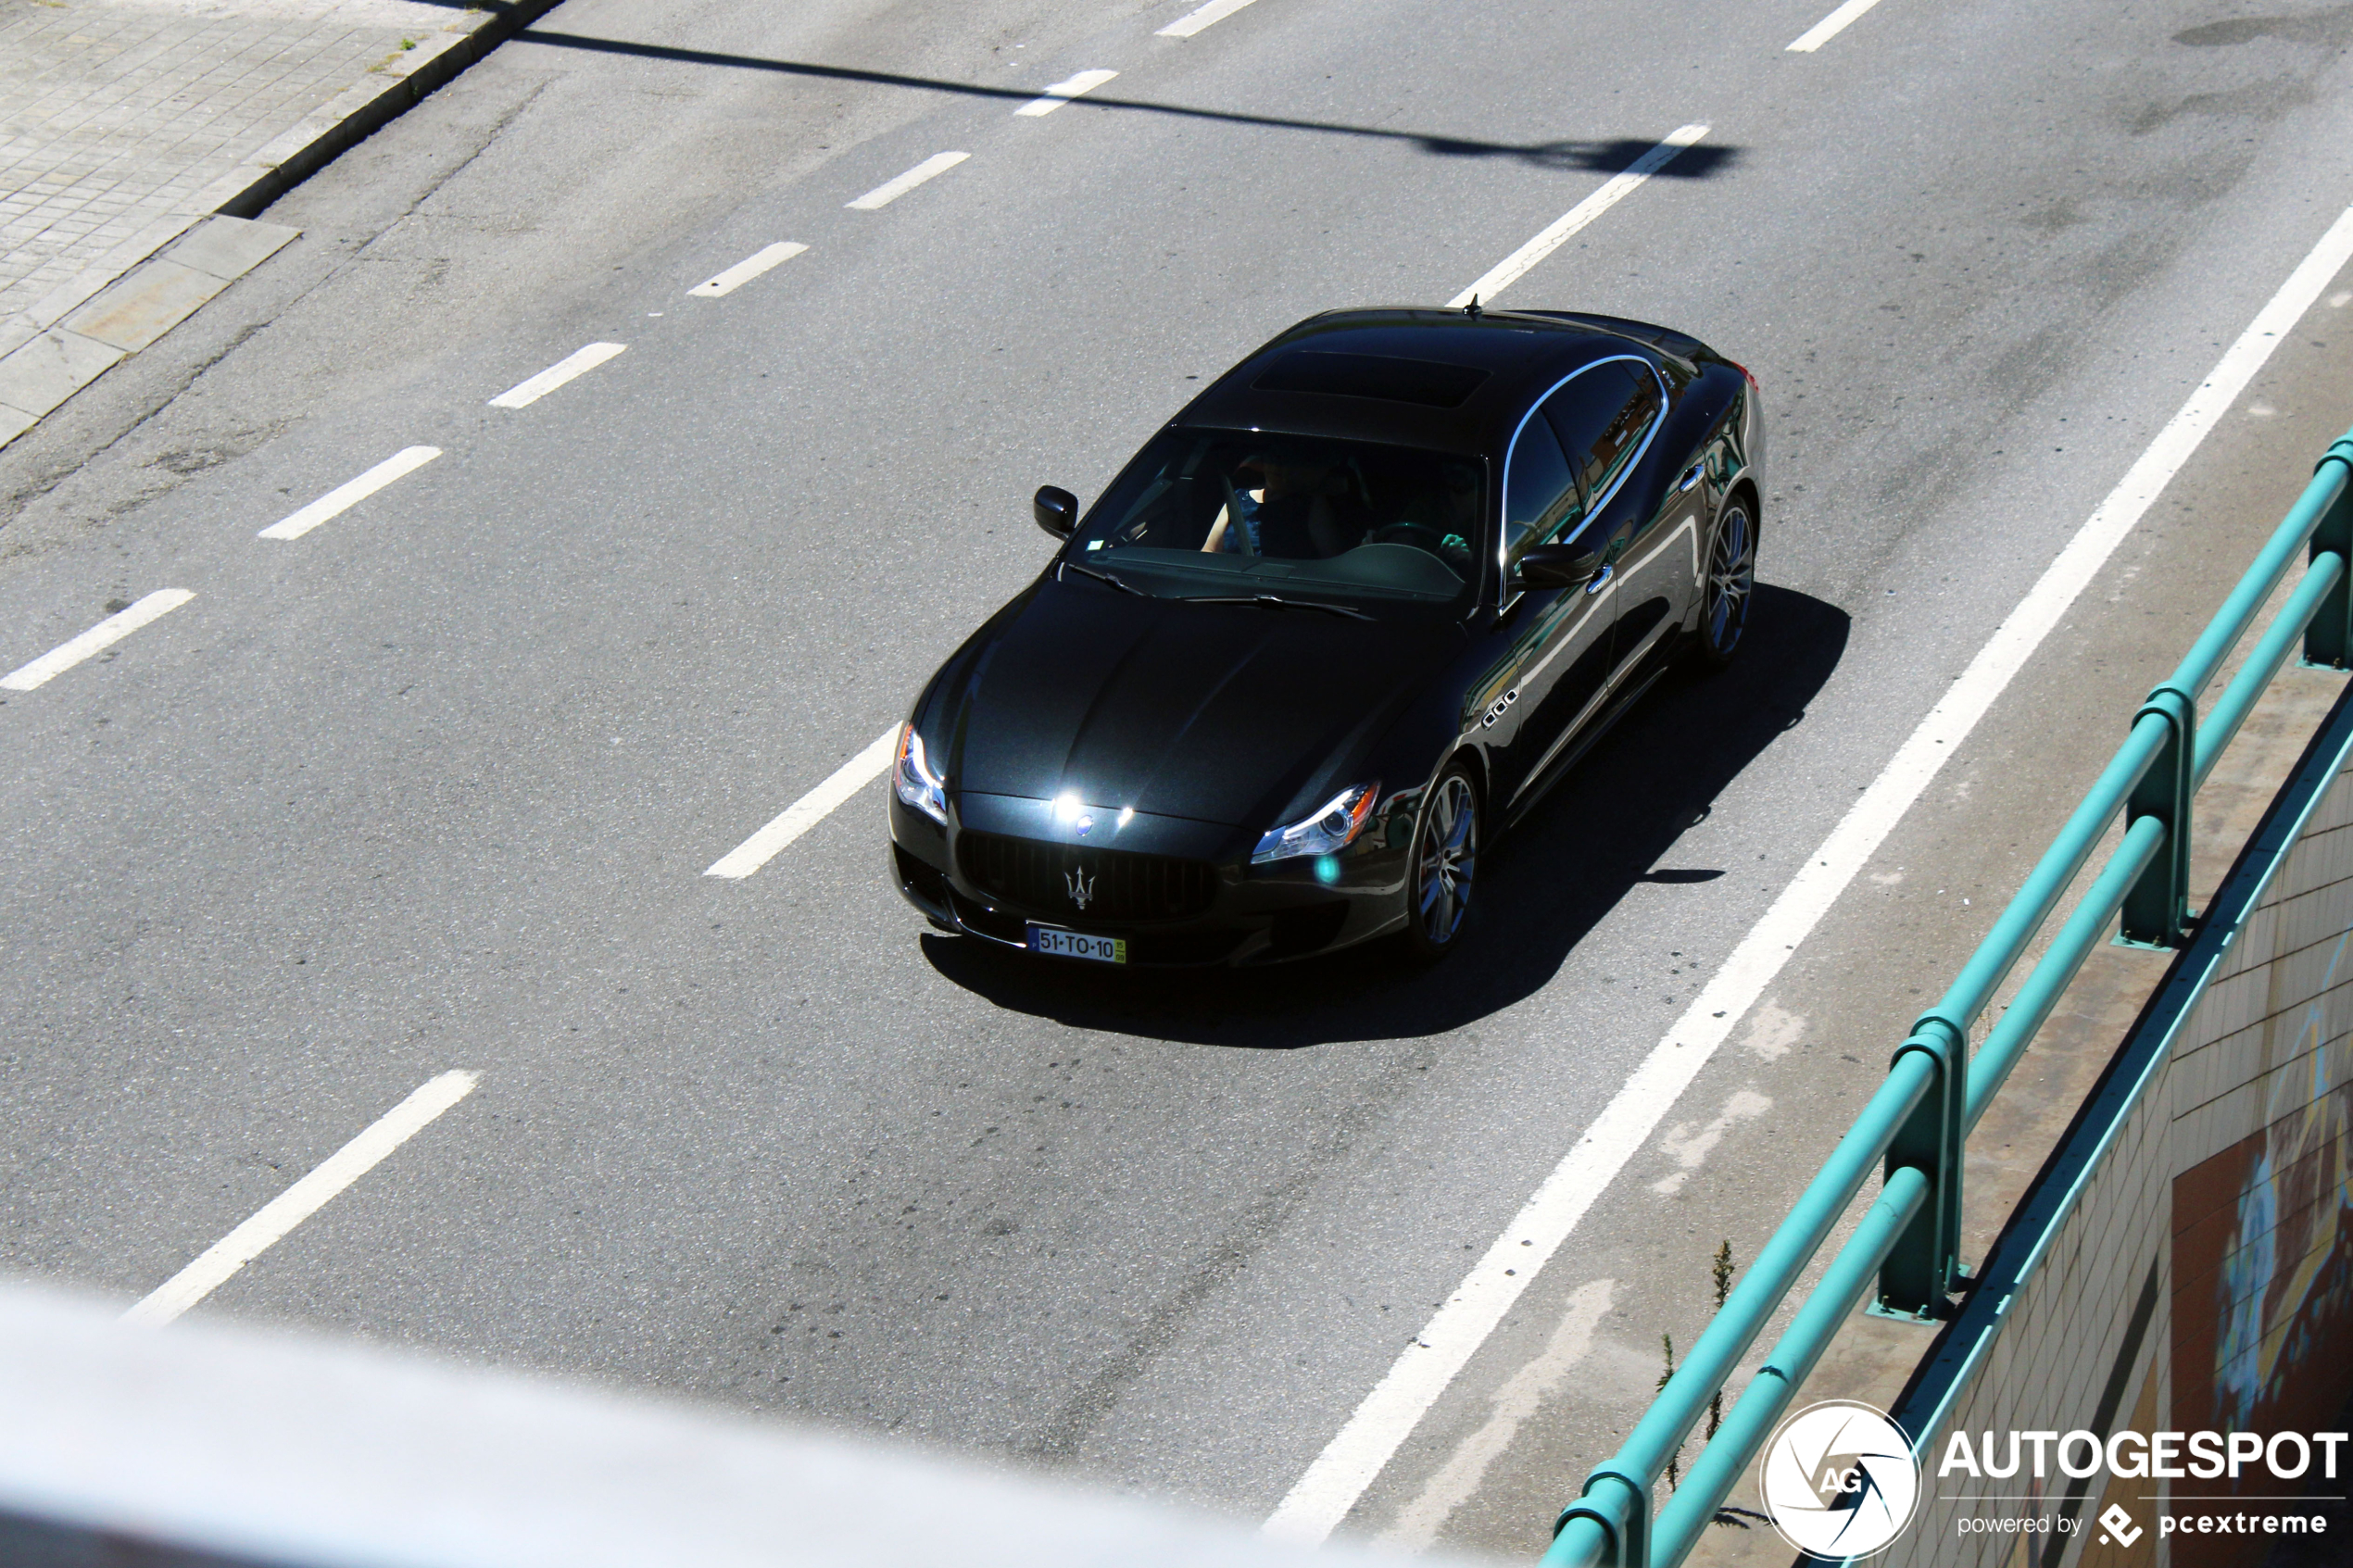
column 1690, row 476
column 1601, row 581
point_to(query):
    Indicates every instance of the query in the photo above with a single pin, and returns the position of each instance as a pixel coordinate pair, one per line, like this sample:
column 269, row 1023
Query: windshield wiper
column 1272, row 602
column 1100, row 576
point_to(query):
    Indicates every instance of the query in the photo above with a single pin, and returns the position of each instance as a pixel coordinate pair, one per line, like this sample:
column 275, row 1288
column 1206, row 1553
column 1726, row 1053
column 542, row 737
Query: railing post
column 1620, row 1504
column 2328, row 640
column 1924, row 1267
column 2156, row 909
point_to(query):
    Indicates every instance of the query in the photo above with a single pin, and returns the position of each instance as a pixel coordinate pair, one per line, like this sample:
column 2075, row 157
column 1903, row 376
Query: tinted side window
column 1602, row 418
column 1539, row 495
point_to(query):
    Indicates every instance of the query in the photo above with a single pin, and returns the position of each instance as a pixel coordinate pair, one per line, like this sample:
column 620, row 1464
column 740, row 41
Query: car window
column 1602, row 416
column 1540, row 494
column 1203, row 512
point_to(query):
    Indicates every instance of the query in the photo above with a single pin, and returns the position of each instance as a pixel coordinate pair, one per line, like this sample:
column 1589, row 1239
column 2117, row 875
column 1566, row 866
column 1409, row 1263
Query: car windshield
column 1213, row 514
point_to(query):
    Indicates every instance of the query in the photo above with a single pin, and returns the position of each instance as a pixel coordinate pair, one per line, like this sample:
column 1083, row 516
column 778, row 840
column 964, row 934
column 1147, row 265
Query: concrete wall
column 216, row 1445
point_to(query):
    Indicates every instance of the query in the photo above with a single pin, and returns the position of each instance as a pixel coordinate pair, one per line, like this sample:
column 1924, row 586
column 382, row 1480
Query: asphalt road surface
column 432, row 787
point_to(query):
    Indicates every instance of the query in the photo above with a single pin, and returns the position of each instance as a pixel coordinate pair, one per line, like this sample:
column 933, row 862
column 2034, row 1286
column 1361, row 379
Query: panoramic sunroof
column 1371, row 375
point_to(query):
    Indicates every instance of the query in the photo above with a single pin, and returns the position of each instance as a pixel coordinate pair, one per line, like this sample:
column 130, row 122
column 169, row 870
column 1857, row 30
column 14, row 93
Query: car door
column 1602, row 419
column 1559, row 652
column 1647, row 528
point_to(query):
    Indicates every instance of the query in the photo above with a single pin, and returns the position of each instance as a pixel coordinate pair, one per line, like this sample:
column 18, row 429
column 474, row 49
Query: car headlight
column 1330, row 828
column 912, row 776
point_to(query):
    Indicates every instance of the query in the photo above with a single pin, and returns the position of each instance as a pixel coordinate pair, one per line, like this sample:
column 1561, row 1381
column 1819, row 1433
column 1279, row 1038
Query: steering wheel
column 1448, row 547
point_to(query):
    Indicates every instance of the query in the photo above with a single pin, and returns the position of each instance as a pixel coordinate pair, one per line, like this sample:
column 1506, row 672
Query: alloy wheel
column 1731, row 574
column 1449, row 857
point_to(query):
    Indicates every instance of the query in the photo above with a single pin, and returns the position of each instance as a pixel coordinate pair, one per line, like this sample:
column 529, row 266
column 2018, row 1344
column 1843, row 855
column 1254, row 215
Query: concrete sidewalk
column 126, row 123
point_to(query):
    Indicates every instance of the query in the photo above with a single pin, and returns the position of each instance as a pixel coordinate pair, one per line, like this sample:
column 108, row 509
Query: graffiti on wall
column 2263, row 1236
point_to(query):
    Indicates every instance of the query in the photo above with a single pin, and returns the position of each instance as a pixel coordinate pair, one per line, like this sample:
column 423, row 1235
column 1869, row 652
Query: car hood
column 1220, row 713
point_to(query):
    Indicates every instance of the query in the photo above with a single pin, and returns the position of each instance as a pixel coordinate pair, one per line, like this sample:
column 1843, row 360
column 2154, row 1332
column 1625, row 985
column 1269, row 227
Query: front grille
column 1119, row 885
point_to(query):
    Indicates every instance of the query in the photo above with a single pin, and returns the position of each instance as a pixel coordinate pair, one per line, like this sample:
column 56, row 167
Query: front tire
column 1729, row 585
column 1445, row 861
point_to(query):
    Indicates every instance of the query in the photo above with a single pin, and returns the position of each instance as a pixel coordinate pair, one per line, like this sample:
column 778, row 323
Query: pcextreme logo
column 1839, row 1480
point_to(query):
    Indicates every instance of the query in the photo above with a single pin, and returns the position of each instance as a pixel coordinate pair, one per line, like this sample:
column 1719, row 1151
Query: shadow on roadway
column 1553, row 879
column 1610, row 156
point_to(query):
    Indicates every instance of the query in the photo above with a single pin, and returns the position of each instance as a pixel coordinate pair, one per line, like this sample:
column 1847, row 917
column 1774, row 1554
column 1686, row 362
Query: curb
column 45, row 355
column 318, row 141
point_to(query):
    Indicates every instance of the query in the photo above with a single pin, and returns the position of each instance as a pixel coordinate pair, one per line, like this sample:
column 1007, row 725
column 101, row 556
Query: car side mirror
column 1559, row 566
column 1056, row 510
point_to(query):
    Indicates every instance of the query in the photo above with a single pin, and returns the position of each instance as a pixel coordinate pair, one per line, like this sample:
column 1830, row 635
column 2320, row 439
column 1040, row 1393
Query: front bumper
column 1234, row 912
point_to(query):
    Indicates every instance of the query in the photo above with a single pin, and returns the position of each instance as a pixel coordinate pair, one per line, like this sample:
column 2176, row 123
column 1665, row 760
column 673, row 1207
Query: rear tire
column 1729, row 585
column 1444, row 862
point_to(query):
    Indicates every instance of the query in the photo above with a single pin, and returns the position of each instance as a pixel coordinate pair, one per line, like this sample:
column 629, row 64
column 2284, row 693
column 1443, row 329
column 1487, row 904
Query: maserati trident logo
column 1081, row 886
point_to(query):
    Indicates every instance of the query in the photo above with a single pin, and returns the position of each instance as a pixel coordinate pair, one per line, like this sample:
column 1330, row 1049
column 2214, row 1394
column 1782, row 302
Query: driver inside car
column 1289, row 513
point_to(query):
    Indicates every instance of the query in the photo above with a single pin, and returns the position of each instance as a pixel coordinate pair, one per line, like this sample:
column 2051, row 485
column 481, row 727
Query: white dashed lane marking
column 524, row 394
column 214, row 1266
column 343, row 497
column 1061, row 93
column 106, row 633
column 809, row 810
column 1193, row 21
column 1619, row 187
column 1830, row 27
column 890, row 190
column 751, row 267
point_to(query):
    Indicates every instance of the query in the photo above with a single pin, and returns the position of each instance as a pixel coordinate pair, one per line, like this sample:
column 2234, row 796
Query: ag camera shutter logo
column 1839, row 1480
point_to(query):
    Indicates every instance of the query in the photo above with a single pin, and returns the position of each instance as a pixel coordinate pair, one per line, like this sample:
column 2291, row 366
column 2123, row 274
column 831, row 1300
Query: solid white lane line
column 1349, row 1463
column 1061, row 93
column 524, row 394
column 1830, row 27
column 890, row 190
column 112, row 629
column 807, row 812
column 1193, row 21
column 751, row 267
column 298, row 1202
column 1614, row 189
column 408, row 459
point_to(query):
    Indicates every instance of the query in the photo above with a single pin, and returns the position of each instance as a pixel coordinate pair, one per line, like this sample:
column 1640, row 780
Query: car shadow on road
column 1556, row 876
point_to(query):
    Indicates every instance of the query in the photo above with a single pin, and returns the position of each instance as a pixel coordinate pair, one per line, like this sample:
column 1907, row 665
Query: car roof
column 1513, row 358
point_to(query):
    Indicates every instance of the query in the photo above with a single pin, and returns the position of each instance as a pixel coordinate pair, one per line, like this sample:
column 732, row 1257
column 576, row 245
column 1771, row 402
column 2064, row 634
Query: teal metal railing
column 1915, row 1130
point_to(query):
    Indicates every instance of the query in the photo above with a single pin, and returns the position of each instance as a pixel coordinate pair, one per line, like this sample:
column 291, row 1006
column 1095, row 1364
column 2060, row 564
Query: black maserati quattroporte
column 1341, row 623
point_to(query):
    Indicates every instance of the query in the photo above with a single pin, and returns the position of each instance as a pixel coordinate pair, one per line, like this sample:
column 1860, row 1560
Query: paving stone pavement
column 124, row 124
column 115, row 113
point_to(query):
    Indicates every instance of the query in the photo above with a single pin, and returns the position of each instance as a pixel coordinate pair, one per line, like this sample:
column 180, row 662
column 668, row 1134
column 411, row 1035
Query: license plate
column 1073, row 945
